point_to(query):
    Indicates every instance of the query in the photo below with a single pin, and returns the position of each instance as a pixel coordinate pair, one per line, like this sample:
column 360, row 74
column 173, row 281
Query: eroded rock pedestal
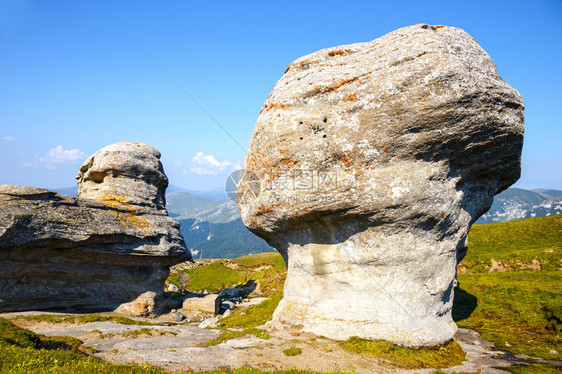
column 110, row 247
column 374, row 160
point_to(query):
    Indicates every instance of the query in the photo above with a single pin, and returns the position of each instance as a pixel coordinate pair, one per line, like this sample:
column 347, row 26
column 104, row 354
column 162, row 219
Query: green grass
column 538, row 368
column 522, row 308
column 266, row 269
column 293, row 351
column 147, row 332
column 450, row 354
column 516, row 243
column 272, row 258
column 87, row 318
column 254, row 316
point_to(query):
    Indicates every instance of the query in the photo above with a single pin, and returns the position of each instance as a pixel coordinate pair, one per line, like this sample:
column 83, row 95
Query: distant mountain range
column 212, row 227
column 516, row 203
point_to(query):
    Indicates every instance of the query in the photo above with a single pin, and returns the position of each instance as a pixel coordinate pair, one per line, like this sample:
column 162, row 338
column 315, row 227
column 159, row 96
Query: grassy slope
column 516, row 243
column 266, row 269
column 521, row 307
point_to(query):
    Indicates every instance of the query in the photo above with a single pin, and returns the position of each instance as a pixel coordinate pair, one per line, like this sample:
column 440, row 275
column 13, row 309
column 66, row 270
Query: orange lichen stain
column 331, row 88
column 338, row 52
column 263, row 209
column 140, row 307
column 129, row 215
column 286, row 162
column 385, row 150
column 351, row 97
column 345, row 160
column 272, row 106
column 303, row 63
column 439, row 27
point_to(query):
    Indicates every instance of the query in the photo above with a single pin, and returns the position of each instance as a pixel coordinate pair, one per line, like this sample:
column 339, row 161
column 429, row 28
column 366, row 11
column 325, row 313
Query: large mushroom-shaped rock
column 374, row 159
column 112, row 250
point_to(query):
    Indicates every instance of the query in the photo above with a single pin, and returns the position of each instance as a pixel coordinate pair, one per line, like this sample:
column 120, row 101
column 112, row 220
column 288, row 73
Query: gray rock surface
column 209, row 322
column 128, row 174
column 227, row 299
column 200, row 302
column 374, row 159
column 63, row 251
column 173, row 288
column 178, row 317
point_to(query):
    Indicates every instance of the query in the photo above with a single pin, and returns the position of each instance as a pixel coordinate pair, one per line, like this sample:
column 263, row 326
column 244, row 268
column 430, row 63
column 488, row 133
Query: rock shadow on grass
column 464, row 304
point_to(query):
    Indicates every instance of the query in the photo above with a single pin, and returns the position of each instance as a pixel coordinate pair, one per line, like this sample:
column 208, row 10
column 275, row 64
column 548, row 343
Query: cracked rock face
column 111, row 249
column 374, row 159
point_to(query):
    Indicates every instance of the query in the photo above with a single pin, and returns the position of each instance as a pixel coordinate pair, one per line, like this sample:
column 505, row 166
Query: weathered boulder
column 111, row 251
column 200, row 302
column 124, row 174
column 374, row 159
column 227, row 299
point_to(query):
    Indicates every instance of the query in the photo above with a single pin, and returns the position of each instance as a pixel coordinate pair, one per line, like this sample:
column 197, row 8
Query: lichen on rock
column 374, row 160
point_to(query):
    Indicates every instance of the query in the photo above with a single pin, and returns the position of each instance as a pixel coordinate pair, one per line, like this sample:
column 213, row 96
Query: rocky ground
column 182, row 346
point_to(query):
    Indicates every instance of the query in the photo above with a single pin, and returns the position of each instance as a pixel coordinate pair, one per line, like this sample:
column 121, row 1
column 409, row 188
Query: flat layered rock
column 64, row 251
column 373, row 161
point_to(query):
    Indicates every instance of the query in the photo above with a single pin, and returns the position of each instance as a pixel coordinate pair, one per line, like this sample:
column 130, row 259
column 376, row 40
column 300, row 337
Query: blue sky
column 77, row 76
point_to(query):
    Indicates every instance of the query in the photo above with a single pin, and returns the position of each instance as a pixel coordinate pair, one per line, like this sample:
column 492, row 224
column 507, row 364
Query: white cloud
column 208, row 164
column 10, row 139
column 58, row 155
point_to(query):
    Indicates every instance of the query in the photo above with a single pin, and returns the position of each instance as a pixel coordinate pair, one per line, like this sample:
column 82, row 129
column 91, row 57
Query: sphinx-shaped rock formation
column 109, row 247
column 374, row 159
